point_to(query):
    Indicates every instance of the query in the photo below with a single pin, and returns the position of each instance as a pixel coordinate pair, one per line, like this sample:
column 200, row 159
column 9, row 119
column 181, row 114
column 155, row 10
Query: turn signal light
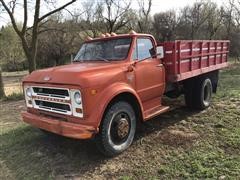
column 78, row 110
column 93, row 91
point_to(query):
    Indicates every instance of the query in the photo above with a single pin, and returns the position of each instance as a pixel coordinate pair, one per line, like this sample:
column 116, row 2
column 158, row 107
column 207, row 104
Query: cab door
column 149, row 71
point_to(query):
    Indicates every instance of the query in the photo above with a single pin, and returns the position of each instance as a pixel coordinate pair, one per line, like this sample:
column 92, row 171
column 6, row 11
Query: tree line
column 56, row 36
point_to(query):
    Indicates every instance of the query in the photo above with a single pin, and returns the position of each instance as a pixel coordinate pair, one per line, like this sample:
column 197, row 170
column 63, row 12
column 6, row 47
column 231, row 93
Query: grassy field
column 179, row 144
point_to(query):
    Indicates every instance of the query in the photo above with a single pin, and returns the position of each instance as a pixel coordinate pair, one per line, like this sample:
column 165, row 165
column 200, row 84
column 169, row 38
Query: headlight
column 78, row 98
column 77, row 104
column 29, row 92
column 28, row 96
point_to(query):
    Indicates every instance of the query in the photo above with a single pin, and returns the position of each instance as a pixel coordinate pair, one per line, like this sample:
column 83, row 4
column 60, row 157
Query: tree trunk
column 30, row 55
column 32, row 61
column 31, row 58
column 2, row 94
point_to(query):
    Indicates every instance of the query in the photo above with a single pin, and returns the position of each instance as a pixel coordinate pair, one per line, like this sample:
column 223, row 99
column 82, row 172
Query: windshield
column 104, row 50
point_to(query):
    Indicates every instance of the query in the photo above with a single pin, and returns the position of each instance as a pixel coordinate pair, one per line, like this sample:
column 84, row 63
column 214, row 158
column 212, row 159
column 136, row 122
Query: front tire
column 117, row 129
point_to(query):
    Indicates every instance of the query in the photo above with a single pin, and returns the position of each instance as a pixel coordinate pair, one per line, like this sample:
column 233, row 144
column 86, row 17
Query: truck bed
column 185, row 59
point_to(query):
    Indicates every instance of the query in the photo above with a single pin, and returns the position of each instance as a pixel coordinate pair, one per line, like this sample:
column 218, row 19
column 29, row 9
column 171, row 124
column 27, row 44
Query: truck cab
column 114, row 82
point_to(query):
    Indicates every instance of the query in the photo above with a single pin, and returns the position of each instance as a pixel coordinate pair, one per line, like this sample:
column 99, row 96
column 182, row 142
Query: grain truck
column 117, row 81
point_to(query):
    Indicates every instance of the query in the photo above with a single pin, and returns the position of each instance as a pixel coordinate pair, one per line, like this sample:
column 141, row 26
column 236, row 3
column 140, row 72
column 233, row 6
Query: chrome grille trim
column 54, row 95
column 52, row 102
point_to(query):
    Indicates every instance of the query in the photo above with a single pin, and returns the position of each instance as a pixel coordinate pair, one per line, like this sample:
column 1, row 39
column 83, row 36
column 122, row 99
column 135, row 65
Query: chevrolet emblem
column 47, row 78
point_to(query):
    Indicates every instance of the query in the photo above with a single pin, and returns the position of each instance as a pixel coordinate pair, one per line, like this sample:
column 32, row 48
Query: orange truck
column 116, row 81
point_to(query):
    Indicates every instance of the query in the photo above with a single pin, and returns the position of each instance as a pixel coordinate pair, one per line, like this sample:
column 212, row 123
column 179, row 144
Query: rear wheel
column 203, row 94
column 117, row 129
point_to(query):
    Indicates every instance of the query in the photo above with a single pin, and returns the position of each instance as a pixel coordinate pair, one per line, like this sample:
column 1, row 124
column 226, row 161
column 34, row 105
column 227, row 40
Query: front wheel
column 117, row 129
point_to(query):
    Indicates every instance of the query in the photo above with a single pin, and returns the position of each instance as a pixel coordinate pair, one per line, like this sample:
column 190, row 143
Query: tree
column 12, row 56
column 144, row 22
column 30, row 44
column 164, row 25
column 56, row 46
column 116, row 14
column 231, row 23
column 214, row 20
column 92, row 22
column 192, row 19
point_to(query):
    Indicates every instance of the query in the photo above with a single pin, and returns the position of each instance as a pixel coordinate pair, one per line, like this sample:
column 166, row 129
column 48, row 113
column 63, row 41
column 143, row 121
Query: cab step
column 150, row 113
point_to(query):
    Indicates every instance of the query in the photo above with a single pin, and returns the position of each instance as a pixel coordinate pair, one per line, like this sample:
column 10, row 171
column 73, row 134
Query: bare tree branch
column 56, row 10
column 25, row 16
column 11, row 17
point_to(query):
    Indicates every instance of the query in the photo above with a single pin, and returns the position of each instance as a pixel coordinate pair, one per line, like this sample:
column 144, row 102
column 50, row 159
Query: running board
column 155, row 111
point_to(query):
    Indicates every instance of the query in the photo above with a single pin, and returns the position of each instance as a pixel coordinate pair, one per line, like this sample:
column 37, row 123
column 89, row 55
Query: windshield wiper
column 97, row 58
column 102, row 58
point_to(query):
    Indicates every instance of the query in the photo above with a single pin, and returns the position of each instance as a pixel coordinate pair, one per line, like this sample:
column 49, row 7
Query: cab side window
column 143, row 50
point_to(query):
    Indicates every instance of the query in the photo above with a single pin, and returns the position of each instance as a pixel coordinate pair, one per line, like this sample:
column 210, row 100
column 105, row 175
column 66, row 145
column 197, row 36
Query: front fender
column 107, row 95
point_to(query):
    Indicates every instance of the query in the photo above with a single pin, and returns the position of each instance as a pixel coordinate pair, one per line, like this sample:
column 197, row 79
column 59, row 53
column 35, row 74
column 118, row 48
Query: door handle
column 159, row 65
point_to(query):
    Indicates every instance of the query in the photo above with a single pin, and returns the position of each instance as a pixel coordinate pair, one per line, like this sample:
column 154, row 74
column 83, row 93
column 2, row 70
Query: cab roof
column 119, row 36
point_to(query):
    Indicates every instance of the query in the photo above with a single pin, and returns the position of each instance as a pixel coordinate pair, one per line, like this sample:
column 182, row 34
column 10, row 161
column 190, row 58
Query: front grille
column 52, row 99
column 53, row 106
column 51, row 92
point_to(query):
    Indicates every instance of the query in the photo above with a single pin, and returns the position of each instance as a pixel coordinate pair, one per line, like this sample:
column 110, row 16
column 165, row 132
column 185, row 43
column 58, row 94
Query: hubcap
column 120, row 128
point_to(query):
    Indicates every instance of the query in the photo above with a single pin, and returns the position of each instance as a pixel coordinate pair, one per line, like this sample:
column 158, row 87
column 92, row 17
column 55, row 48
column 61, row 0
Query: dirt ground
column 176, row 145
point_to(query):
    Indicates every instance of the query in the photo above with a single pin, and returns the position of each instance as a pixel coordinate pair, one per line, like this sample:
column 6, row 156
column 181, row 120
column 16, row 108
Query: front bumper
column 62, row 128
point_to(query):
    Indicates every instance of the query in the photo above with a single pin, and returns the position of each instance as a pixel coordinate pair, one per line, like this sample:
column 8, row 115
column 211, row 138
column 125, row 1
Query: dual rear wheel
column 198, row 93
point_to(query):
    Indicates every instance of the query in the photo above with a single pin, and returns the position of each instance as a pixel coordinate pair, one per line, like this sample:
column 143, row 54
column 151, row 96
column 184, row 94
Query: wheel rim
column 120, row 128
column 207, row 93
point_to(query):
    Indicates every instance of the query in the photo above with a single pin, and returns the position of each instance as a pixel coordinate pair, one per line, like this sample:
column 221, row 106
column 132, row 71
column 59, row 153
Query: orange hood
column 80, row 74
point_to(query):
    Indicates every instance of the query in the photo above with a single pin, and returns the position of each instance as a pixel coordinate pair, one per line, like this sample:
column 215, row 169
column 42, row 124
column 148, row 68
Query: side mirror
column 160, row 52
column 153, row 53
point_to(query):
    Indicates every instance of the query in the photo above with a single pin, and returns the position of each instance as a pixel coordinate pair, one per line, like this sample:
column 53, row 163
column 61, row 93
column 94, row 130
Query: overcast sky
column 158, row 6
column 162, row 5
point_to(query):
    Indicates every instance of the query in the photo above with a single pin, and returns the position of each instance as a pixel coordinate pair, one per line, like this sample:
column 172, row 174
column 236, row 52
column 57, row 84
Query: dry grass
column 13, row 88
